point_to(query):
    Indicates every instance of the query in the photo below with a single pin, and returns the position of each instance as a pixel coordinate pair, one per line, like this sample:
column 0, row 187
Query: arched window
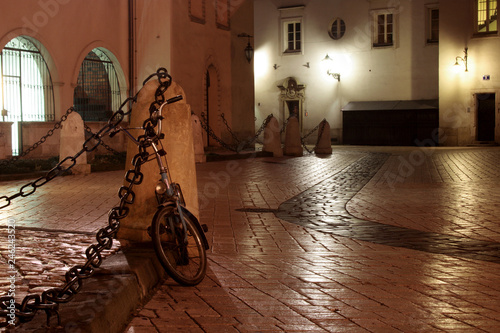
column 97, row 94
column 26, row 87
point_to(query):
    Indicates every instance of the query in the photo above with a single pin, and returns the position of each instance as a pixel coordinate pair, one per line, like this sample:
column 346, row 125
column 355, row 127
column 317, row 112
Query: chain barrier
column 320, row 133
column 240, row 144
column 50, row 299
column 39, row 142
column 89, row 130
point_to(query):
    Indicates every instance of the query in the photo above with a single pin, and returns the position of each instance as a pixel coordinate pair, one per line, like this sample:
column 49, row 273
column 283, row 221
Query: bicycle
column 178, row 237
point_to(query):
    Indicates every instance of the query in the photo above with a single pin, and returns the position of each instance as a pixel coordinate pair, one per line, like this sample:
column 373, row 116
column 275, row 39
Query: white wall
column 458, row 113
column 405, row 72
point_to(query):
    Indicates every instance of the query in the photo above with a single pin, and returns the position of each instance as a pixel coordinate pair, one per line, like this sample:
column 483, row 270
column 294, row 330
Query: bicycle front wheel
column 185, row 262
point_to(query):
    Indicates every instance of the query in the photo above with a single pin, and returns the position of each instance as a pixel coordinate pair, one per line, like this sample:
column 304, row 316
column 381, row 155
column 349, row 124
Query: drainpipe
column 131, row 46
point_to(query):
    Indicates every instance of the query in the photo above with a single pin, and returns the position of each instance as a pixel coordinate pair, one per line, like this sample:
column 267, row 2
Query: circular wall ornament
column 336, row 30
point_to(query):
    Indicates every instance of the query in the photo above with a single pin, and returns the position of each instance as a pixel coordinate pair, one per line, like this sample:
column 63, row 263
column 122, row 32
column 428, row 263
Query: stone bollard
column 324, row 145
column 178, row 144
column 5, row 139
column 71, row 142
column 199, row 151
column 293, row 146
column 272, row 138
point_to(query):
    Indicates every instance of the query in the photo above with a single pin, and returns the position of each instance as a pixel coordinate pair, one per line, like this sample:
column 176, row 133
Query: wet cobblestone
column 42, row 259
column 322, row 207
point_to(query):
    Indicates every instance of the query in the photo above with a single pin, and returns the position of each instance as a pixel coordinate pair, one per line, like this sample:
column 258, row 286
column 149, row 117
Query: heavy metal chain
column 240, row 144
column 89, row 130
column 50, row 299
column 303, row 139
column 39, row 142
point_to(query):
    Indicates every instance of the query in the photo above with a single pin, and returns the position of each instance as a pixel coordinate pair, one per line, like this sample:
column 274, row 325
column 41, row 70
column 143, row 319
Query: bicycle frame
column 171, row 195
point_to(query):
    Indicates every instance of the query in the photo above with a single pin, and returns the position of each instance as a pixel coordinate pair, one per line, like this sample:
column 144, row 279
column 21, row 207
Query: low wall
column 33, row 131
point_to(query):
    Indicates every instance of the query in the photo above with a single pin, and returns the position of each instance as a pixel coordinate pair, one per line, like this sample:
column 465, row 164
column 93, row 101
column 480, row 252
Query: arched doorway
column 97, row 93
column 26, row 87
column 212, row 105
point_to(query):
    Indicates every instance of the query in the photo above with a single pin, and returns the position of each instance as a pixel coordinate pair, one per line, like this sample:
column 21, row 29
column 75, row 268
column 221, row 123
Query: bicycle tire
column 185, row 264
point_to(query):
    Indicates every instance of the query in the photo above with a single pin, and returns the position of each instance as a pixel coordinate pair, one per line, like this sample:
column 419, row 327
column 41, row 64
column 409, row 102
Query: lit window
column 292, row 36
column 486, row 16
column 433, row 25
column 383, row 29
column 26, row 87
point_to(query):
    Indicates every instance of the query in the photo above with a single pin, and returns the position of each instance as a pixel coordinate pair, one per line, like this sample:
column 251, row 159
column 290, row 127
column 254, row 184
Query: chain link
column 89, row 130
column 240, row 144
column 303, row 139
column 50, row 299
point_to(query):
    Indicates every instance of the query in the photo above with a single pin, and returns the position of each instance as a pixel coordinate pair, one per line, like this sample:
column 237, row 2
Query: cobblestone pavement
column 366, row 240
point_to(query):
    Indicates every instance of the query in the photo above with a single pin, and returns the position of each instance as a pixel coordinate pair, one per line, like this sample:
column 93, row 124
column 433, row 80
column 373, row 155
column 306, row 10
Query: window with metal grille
column 486, row 16
column 26, row 87
column 97, row 94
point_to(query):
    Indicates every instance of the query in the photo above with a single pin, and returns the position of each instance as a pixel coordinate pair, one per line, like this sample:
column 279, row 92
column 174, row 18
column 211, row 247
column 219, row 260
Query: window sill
column 388, row 45
column 485, row 34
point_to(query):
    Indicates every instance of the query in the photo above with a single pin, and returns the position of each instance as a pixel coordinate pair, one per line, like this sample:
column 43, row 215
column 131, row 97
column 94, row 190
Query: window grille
column 26, row 87
column 97, row 94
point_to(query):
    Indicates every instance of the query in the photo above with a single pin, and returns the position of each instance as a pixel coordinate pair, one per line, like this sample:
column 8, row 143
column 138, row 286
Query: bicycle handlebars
column 155, row 115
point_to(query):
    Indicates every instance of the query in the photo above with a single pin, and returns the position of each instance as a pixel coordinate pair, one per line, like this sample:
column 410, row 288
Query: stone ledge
column 107, row 299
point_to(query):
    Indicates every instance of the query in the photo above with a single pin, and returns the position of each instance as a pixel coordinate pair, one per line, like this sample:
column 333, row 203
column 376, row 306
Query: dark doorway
column 485, row 117
column 293, row 108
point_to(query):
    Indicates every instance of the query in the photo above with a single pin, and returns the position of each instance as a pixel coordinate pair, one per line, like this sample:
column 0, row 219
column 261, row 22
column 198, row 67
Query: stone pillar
column 5, row 139
column 178, row 144
column 293, row 146
column 272, row 138
column 71, row 142
column 199, row 151
column 324, row 145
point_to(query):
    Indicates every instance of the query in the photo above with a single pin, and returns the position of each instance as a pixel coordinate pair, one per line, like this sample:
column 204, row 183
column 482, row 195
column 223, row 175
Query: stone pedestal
column 5, row 139
column 272, row 138
column 71, row 142
column 324, row 145
column 199, row 151
column 178, row 144
column 293, row 146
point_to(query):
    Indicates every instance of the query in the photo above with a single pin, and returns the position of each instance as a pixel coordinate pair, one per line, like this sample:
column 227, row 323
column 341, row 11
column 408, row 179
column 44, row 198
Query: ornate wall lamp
column 249, row 48
column 329, row 62
column 464, row 59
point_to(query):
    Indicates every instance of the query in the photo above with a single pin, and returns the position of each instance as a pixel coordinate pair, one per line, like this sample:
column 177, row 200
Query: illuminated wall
column 458, row 89
column 408, row 70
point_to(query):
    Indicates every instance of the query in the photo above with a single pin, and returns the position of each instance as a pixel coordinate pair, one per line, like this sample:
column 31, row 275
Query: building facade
column 389, row 77
column 93, row 54
column 469, row 91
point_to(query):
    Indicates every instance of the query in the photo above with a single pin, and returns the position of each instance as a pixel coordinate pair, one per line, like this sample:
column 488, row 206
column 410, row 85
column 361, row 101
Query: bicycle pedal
column 204, row 227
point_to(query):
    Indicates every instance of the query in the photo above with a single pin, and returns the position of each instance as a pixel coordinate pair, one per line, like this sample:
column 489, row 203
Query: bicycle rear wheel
column 185, row 263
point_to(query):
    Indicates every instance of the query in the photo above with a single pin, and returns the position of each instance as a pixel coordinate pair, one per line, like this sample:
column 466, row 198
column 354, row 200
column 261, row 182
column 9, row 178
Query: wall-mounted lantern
column 248, row 48
column 329, row 63
column 463, row 60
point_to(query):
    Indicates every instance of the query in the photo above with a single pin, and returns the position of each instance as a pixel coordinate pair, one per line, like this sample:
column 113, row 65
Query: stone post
column 178, row 144
column 71, row 142
column 5, row 139
column 293, row 146
column 272, row 138
column 199, row 151
column 324, row 145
